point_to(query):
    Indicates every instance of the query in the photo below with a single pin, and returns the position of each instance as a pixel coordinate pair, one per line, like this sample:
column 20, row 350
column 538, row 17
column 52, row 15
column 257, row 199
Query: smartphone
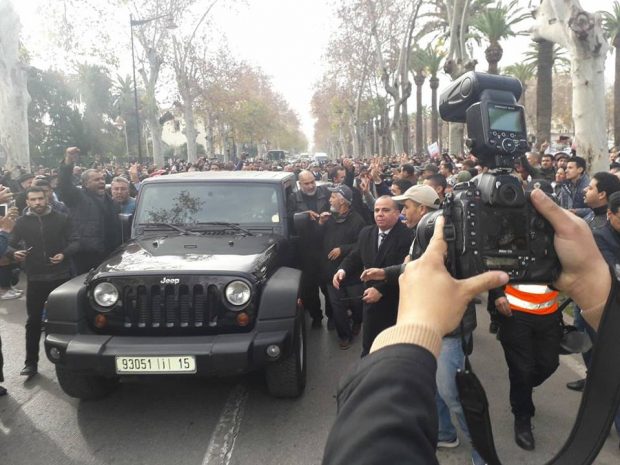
column 4, row 208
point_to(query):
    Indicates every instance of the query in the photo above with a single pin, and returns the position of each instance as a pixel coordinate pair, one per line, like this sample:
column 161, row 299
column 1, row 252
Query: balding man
column 380, row 245
column 314, row 200
column 93, row 213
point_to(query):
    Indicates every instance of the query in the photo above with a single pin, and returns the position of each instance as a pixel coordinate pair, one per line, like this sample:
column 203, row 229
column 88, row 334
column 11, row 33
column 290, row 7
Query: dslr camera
column 490, row 222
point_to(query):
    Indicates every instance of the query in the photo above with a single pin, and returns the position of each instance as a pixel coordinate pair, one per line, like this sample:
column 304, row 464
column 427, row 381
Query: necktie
column 382, row 237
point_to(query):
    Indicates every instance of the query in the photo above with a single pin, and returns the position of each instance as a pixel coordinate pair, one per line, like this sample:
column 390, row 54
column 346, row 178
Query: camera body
column 490, row 220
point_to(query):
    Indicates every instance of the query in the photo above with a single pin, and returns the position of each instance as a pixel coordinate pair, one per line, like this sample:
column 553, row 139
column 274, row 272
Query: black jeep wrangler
column 205, row 286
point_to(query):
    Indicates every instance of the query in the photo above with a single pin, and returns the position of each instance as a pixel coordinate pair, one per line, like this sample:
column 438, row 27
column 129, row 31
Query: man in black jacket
column 607, row 239
column 49, row 241
column 313, row 200
column 92, row 211
column 386, row 412
column 340, row 228
column 380, row 245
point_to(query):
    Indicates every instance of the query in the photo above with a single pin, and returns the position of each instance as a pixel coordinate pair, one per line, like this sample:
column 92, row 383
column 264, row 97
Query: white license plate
column 155, row 365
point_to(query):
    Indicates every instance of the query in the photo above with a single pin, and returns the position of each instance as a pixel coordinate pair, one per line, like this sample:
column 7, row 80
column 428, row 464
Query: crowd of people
column 362, row 216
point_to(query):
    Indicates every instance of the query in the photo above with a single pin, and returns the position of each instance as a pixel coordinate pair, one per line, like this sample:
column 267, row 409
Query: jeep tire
column 85, row 387
column 287, row 377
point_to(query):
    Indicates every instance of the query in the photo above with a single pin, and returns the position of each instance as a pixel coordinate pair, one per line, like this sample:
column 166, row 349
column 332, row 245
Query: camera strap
column 598, row 407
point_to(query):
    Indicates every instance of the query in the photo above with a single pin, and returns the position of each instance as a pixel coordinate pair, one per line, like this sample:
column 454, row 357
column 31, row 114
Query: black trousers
column 310, row 284
column 531, row 346
column 377, row 317
column 36, row 295
column 344, row 299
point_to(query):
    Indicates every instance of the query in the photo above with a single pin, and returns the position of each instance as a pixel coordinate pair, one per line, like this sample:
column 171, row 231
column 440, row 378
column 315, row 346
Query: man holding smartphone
column 49, row 240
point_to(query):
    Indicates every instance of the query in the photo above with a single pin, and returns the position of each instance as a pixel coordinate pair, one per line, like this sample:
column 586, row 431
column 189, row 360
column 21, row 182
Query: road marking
column 226, row 431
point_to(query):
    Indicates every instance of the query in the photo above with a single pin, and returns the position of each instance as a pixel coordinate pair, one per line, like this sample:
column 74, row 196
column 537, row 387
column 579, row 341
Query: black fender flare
column 65, row 306
column 279, row 297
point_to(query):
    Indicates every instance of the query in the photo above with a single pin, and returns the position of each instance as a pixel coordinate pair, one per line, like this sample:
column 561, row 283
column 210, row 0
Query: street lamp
column 139, row 22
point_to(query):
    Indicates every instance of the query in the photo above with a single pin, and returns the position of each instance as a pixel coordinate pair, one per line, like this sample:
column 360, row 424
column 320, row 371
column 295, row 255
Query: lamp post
column 132, row 23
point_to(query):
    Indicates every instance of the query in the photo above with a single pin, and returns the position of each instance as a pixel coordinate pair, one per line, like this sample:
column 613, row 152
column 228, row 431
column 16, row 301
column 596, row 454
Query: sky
column 287, row 40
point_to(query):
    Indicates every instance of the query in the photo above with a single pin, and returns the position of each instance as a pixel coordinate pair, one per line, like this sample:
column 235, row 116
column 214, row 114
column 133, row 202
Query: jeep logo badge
column 165, row 280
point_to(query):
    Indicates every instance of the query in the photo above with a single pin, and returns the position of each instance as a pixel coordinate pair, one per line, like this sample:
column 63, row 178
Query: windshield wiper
column 176, row 227
column 234, row 226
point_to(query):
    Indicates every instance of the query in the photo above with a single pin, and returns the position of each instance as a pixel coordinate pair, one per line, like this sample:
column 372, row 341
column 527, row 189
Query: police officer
column 530, row 334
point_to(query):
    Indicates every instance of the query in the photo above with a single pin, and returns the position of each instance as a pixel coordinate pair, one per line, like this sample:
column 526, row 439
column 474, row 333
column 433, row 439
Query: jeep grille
column 150, row 308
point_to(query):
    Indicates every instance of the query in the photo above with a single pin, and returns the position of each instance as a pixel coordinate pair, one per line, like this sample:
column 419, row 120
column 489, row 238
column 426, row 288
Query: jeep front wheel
column 287, row 377
column 85, row 387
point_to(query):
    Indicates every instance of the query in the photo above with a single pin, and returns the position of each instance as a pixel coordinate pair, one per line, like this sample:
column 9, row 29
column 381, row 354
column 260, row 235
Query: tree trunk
column 434, row 82
column 456, row 136
column 209, row 139
column 14, row 97
column 617, row 92
column 544, row 92
column 581, row 33
column 419, row 136
column 190, row 126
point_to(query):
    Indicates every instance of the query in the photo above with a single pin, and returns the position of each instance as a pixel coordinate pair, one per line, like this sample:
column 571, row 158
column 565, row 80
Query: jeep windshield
column 200, row 205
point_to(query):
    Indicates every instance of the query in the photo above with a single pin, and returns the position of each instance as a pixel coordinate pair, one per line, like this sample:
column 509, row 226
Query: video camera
column 490, row 220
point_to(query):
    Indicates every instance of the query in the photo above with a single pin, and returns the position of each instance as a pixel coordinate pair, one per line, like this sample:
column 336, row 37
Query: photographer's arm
column 386, row 408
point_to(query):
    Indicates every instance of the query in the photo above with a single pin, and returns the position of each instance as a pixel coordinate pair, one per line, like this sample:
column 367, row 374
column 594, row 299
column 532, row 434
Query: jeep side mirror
column 126, row 220
column 301, row 221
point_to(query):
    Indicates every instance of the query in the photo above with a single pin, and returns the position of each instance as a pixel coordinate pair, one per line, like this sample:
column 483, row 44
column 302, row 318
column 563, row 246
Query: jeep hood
column 224, row 253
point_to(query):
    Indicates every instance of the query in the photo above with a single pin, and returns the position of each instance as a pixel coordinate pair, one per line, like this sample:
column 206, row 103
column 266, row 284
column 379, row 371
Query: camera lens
column 508, row 195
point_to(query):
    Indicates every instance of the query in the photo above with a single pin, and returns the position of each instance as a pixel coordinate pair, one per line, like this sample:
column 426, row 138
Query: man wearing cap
column 380, row 245
column 561, row 159
column 25, row 181
column 340, row 228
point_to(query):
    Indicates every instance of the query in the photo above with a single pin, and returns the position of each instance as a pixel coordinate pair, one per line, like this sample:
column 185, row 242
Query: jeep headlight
column 238, row 293
column 105, row 294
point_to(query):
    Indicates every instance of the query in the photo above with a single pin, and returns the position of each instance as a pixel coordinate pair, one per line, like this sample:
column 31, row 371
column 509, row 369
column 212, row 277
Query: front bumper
column 219, row 355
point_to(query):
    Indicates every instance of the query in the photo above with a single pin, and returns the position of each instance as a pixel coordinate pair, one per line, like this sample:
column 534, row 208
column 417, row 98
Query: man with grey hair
column 92, row 211
column 120, row 194
column 340, row 228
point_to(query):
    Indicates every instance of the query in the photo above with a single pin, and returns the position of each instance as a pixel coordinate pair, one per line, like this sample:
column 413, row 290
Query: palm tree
column 547, row 58
column 524, row 72
column 433, row 57
column 611, row 22
column 495, row 24
column 418, row 68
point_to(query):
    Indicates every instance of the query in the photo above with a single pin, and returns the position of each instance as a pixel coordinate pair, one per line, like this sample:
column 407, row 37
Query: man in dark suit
column 314, row 200
column 380, row 245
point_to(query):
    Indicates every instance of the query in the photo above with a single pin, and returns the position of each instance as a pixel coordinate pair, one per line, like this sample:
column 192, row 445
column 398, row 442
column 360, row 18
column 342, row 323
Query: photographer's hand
column 585, row 276
column 430, row 296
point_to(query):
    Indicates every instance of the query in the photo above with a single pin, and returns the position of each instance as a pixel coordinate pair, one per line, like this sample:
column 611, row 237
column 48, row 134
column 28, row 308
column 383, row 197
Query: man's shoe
column 344, row 344
column 493, row 327
column 317, row 323
column 29, row 370
column 3, row 391
column 523, row 433
column 330, row 324
column 356, row 328
column 577, row 385
column 10, row 295
column 449, row 443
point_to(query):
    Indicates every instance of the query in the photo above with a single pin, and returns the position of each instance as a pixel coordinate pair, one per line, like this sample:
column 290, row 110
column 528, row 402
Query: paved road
column 185, row 421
